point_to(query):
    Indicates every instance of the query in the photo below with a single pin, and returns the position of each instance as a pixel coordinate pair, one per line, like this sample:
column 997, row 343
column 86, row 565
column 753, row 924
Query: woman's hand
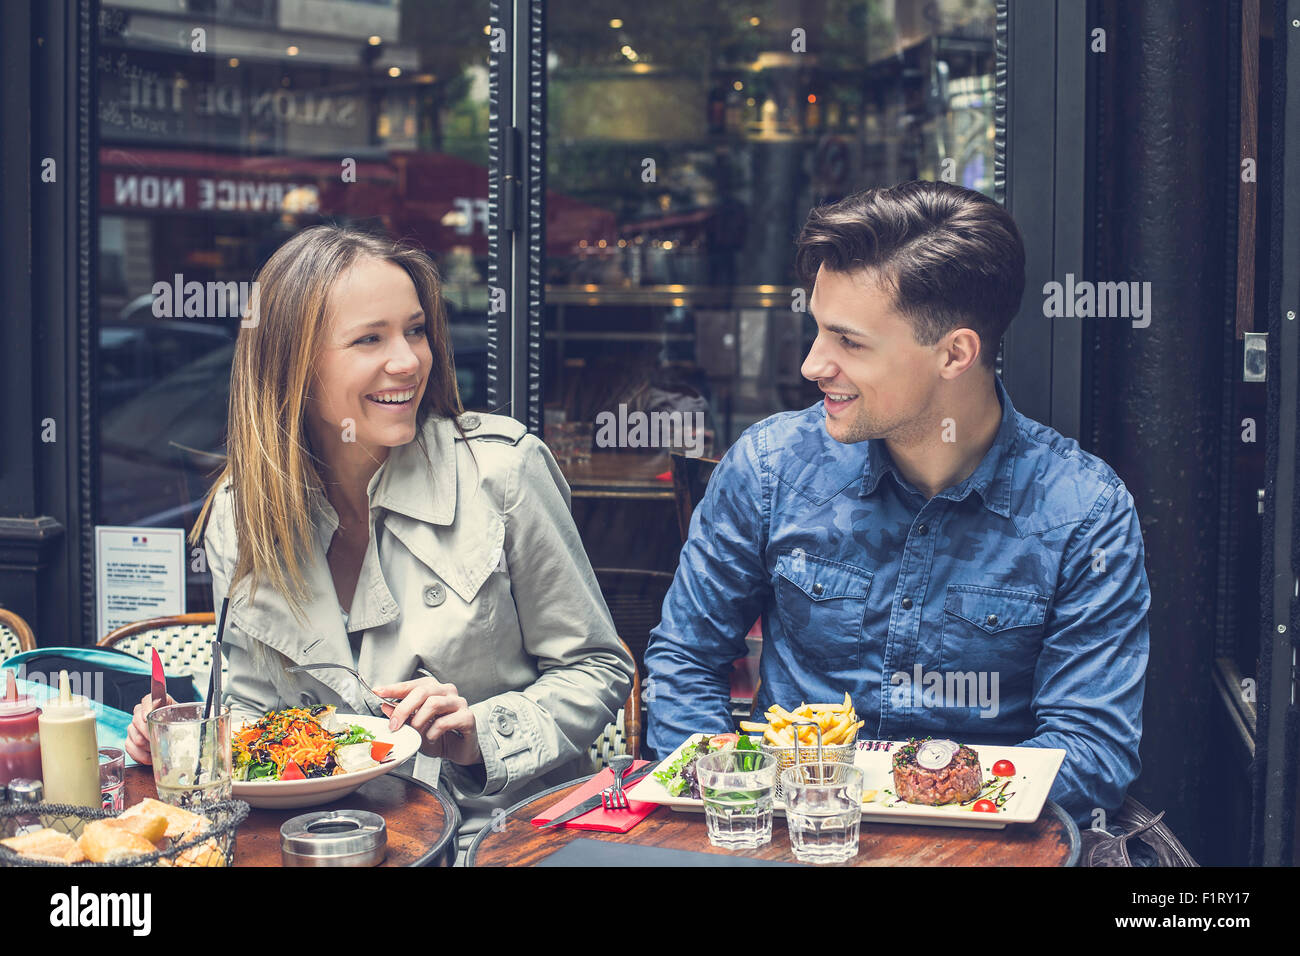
column 137, row 735
column 434, row 710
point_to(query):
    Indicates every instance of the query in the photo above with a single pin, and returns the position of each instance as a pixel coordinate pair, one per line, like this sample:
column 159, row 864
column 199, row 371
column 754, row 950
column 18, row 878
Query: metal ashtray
column 334, row 838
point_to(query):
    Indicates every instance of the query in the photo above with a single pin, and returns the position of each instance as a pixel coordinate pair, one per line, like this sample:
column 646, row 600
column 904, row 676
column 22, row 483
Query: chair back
column 636, row 601
column 15, row 635
column 623, row 736
column 690, row 476
column 184, row 642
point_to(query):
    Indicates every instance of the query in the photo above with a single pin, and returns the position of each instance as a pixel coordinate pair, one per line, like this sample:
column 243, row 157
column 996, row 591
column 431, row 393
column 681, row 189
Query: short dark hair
column 952, row 257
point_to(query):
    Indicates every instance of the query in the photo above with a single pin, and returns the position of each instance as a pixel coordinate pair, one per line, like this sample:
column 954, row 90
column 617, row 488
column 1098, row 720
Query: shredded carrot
column 285, row 736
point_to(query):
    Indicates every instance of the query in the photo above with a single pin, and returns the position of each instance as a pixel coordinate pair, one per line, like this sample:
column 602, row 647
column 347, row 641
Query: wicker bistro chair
column 184, row 643
column 15, row 635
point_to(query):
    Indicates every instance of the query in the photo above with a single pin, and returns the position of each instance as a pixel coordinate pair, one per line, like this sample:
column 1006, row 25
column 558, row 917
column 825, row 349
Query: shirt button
column 907, row 604
column 991, row 620
column 922, row 528
column 817, row 589
column 434, row 595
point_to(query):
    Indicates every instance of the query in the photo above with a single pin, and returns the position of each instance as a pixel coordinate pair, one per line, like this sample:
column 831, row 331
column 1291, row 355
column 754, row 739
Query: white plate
column 1036, row 769
column 288, row 794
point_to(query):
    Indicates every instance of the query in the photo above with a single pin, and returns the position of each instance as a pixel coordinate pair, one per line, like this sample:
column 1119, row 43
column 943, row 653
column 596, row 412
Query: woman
column 361, row 519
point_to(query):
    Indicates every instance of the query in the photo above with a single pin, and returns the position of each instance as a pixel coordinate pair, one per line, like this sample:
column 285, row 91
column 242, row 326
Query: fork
column 361, row 680
column 343, row 667
column 614, row 797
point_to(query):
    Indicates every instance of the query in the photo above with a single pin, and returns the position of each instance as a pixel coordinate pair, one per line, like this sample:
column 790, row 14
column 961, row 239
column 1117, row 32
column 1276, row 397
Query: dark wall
column 1164, row 159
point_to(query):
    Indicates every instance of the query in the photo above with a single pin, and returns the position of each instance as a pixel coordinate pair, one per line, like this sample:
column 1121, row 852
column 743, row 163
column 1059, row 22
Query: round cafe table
column 1052, row 840
column 421, row 822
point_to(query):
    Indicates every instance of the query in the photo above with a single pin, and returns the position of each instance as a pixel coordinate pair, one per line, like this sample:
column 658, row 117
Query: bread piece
column 47, row 844
column 151, row 826
column 105, row 841
column 206, row 853
column 179, row 821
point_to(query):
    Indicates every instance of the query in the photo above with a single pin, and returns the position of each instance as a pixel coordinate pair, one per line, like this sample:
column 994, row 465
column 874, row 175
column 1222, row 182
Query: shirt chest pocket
column 992, row 630
column 821, row 605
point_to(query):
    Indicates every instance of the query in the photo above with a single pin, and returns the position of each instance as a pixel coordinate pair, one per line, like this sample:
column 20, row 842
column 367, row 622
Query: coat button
column 991, row 620
column 817, row 589
column 308, row 700
column 470, row 422
column 907, row 604
column 434, row 595
column 504, row 721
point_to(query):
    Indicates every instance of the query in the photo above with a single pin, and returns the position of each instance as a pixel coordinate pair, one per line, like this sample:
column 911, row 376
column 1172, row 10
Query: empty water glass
column 737, row 789
column 823, row 809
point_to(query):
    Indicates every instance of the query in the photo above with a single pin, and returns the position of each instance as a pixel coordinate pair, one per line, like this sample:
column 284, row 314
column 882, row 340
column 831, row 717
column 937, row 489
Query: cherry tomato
column 292, row 772
column 718, row 741
column 1004, row 768
column 985, row 806
column 378, row 751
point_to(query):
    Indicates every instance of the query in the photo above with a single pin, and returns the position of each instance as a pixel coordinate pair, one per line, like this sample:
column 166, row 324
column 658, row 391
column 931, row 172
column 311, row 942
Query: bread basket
column 214, row 846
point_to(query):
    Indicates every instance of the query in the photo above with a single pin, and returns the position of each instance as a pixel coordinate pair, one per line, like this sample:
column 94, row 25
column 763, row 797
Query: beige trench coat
column 474, row 571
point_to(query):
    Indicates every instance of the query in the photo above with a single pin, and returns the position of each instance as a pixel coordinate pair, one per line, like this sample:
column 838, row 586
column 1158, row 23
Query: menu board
column 139, row 574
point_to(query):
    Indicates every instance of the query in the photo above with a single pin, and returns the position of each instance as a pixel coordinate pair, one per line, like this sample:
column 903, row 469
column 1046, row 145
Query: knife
column 591, row 803
column 158, row 685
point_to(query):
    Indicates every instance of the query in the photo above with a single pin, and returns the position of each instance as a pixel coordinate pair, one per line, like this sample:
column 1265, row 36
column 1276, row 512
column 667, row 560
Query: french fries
column 838, row 722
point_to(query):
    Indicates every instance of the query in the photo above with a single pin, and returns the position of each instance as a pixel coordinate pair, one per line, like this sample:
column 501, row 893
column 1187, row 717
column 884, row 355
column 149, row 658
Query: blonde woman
column 362, row 519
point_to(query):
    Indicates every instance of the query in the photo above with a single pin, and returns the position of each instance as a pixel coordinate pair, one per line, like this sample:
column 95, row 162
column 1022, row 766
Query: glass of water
column 112, row 778
column 737, row 789
column 823, row 809
column 191, row 755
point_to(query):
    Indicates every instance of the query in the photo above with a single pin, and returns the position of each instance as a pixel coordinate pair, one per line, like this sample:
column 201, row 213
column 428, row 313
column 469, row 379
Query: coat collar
column 408, row 483
column 419, row 486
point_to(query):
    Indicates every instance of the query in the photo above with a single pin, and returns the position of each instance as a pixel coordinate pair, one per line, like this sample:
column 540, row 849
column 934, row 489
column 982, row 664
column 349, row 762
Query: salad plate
column 314, row 791
column 1018, row 798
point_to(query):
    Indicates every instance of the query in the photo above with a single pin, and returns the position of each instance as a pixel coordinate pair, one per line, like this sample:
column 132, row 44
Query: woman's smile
column 400, row 399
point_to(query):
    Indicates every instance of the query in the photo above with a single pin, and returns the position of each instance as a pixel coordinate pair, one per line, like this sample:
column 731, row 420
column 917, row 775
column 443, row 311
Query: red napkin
column 610, row 821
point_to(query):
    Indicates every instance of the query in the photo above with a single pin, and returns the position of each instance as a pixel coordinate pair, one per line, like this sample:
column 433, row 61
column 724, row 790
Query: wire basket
column 787, row 757
column 214, row 846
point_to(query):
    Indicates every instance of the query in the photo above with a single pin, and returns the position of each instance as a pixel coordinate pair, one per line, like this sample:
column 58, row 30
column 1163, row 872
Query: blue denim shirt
column 1022, row 587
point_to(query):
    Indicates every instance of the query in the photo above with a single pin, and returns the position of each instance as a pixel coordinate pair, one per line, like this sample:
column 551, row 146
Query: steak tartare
column 956, row 781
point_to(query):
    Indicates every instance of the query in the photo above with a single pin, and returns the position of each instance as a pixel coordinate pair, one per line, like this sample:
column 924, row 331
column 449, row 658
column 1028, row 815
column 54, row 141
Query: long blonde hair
column 269, row 462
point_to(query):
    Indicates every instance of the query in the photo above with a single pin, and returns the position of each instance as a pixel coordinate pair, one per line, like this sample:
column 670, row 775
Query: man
column 959, row 569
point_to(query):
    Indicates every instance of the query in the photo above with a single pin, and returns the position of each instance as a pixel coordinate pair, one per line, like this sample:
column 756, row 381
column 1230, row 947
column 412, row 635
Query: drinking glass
column 191, row 755
column 823, row 810
column 737, row 789
column 112, row 778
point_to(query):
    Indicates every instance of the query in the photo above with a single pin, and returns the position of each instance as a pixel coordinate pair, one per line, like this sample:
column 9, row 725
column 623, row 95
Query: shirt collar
column 991, row 479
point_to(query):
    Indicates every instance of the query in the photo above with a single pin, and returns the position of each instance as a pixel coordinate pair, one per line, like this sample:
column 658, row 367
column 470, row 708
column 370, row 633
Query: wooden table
column 1052, row 840
column 421, row 822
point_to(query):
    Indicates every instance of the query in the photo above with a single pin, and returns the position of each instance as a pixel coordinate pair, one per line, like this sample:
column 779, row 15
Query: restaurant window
column 224, row 129
column 688, row 142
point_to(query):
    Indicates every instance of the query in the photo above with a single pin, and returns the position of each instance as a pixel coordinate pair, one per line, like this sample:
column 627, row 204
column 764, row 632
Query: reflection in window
column 687, row 142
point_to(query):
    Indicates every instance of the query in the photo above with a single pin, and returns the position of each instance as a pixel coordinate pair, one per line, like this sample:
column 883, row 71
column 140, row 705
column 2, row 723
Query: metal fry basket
column 788, row 757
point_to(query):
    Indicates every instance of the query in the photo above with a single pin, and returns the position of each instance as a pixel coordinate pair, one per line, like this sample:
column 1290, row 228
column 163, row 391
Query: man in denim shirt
column 913, row 531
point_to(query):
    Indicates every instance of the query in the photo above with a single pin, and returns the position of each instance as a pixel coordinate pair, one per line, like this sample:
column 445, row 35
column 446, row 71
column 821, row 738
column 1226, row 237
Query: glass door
column 686, row 144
